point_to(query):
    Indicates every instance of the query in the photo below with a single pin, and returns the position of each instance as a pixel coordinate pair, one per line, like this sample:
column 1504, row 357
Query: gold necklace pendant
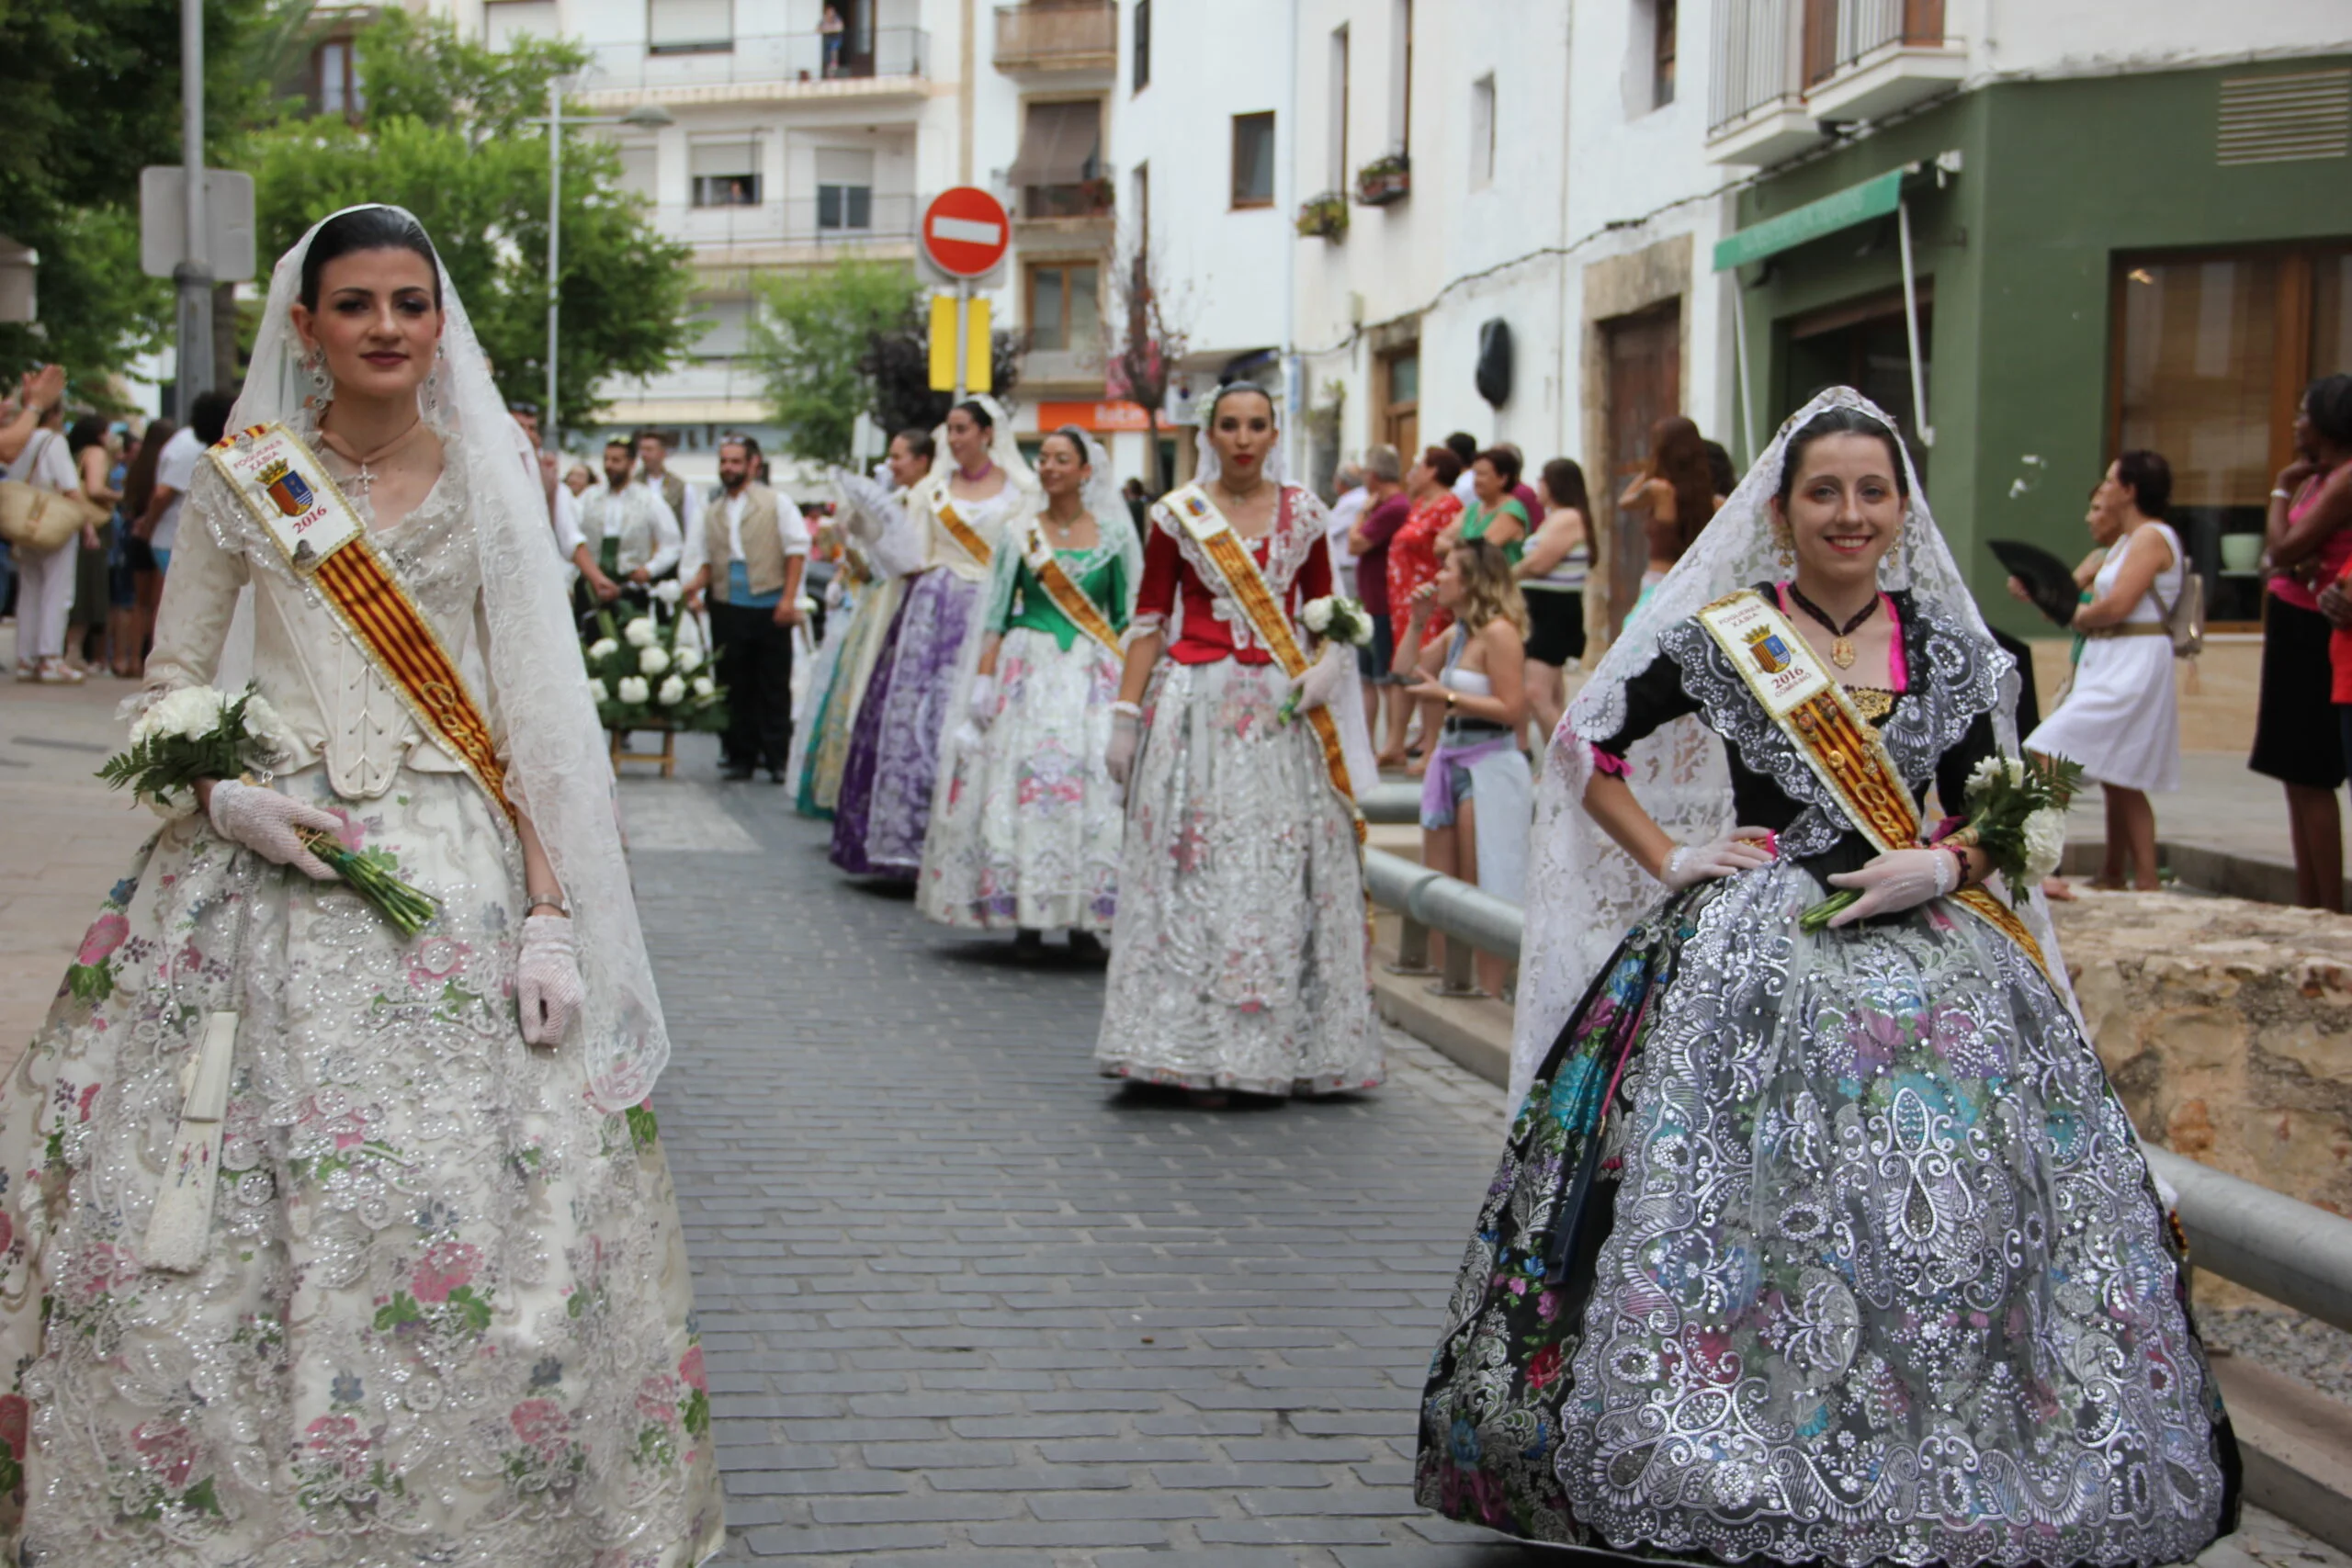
column 1841, row 653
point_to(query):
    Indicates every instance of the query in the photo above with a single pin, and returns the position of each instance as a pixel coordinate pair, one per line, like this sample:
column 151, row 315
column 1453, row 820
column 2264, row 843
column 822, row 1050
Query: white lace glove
column 1126, row 736
column 1327, row 677
column 1895, row 881
column 548, row 986
column 266, row 821
column 982, row 705
column 1740, row 849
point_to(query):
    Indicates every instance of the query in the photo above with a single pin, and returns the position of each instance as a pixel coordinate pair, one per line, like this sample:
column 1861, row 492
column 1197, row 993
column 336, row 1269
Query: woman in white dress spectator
column 2121, row 719
column 45, row 579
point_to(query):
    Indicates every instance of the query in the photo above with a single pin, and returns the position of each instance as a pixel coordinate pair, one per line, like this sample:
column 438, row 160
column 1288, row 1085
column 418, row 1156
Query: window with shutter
column 845, row 189
column 637, row 172
column 504, row 21
column 726, row 173
column 684, row 26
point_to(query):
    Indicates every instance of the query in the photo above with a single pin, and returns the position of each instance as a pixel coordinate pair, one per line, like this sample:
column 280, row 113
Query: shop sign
column 1842, row 209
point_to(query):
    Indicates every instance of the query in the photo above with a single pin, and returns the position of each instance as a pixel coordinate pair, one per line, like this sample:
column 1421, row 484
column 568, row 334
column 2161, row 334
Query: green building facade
column 2145, row 260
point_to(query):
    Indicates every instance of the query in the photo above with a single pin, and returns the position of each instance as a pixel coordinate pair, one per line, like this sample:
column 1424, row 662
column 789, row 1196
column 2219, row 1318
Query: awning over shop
column 1060, row 145
column 1874, row 197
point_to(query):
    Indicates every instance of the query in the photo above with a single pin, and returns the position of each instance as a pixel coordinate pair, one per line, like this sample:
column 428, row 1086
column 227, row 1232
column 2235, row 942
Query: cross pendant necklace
column 363, row 477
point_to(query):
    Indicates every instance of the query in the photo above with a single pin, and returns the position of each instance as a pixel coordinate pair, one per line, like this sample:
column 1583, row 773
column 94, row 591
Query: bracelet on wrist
column 1133, row 710
column 549, row 901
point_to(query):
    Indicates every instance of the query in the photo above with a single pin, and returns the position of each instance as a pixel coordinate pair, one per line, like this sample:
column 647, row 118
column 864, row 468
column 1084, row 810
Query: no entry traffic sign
column 966, row 231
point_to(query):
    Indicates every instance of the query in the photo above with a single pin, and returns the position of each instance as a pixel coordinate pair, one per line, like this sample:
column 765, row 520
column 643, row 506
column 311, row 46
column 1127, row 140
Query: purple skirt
column 884, row 805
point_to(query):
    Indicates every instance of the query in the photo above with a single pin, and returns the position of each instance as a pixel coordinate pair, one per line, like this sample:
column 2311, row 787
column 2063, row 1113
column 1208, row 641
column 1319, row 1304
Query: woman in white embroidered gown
column 1238, row 960
column 884, row 809
column 1026, row 822
column 442, row 1315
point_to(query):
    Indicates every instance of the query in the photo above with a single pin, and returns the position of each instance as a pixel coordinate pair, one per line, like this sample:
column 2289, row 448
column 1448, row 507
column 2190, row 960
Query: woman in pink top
column 2293, row 740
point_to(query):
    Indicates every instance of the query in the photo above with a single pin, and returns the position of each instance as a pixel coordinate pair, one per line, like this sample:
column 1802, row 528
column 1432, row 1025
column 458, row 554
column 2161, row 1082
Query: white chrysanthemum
column 269, row 740
column 705, row 686
column 1318, row 615
column 640, row 632
column 672, row 693
column 633, row 690
column 669, row 592
column 653, row 660
column 2045, row 842
column 191, row 711
column 1993, row 770
column 689, row 659
column 602, row 648
column 602, row 691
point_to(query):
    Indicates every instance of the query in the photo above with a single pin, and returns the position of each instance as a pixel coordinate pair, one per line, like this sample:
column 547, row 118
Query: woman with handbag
column 48, row 540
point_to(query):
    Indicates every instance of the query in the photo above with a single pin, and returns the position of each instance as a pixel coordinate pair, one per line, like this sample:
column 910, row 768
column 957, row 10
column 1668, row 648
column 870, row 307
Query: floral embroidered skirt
column 1239, row 958
column 820, row 738
column 445, row 1316
column 1830, row 1248
column 1027, row 821
column 885, row 804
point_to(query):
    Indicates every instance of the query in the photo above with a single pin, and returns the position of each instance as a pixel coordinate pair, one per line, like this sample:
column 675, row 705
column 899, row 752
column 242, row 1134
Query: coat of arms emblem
column 287, row 489
column 1770, row 650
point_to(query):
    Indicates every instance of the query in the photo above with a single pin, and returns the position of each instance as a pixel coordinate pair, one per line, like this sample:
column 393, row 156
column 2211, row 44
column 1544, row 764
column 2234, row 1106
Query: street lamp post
column 644, row 117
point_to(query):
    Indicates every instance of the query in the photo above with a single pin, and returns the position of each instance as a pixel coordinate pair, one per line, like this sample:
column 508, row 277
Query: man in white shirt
column 757, row 547
column 629, row 535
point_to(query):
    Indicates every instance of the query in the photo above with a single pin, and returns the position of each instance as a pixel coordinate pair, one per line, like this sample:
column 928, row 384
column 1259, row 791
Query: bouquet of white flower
column 200, row 733
column 643, row 677
column 1339, row 619
column 2017, row 815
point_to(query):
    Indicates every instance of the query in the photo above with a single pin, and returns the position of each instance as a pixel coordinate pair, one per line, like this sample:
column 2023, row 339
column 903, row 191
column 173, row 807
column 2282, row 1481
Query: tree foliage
column 445, row 137
column 853, row 338
column 93, row 94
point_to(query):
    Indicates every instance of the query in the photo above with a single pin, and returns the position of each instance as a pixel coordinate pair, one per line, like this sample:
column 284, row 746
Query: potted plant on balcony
column 1323, row 217
column 1385, row 179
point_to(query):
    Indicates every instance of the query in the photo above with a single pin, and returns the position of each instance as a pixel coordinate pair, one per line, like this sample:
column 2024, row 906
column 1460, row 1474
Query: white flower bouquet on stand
column 644, row 677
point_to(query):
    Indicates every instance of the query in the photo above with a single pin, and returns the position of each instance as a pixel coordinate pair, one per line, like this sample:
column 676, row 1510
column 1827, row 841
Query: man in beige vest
column 755, row 546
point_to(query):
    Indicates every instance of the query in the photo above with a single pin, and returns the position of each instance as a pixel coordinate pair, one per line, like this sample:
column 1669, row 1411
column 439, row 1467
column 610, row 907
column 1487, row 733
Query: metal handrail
column 2295, row 1253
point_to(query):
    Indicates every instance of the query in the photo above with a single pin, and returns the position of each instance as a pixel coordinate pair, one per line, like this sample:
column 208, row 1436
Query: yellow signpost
column 959, row 343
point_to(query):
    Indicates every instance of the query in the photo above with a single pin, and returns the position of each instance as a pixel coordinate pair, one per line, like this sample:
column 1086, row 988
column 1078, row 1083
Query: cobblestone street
column 965, row 1302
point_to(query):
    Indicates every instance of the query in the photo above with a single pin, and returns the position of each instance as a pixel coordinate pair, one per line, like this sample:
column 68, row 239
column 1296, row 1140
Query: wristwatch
column 1452, row 697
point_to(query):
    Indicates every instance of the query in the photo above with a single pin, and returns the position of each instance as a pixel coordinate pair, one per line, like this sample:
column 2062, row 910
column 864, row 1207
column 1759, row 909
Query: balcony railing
column 822, row 222
column 1058, row 35
column 1774, row 57
column 1085, row 199
column 760, row 58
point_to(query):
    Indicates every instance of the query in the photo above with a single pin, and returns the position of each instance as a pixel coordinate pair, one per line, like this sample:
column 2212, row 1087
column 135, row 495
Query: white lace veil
column 1583, row 891
column 557, row 769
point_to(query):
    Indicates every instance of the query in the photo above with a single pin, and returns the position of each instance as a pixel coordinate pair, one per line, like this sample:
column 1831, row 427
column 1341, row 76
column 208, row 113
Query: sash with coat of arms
column 323, row 539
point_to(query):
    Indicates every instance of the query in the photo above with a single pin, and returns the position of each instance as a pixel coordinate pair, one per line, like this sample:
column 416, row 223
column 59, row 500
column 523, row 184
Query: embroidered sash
column 1066, row 595
column 306, row 514
column 1238, row 579
column 968, row 538
column 1787, row 678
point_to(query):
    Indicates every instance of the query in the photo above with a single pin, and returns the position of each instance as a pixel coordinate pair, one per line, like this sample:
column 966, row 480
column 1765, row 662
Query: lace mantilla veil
column 556, row 771
column 1583, row 891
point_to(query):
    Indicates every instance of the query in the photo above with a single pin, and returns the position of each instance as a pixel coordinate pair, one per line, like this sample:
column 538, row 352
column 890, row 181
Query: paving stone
column 966, row 1304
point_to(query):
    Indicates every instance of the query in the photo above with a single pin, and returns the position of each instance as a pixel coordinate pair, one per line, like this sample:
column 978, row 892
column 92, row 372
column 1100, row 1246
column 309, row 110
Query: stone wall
column 2227, row 1025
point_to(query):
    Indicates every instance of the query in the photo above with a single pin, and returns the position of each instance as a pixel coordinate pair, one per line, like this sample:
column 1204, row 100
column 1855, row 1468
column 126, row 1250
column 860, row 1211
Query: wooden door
column 1645, row 361
column 1400, row 402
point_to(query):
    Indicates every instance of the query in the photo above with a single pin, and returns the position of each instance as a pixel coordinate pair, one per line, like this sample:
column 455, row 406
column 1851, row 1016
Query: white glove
column 1126, row 736
column 1327, row 677
column 1895, row 881
column 266, row 821
column 547, row 987
column 1740, row 849
column 982, row 706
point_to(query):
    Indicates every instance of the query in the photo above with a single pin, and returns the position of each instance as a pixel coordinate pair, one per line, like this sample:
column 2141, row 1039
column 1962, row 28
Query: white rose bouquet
column 199, row 732
column 637, row 671
column 1339, row 619
column 2016, row 814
